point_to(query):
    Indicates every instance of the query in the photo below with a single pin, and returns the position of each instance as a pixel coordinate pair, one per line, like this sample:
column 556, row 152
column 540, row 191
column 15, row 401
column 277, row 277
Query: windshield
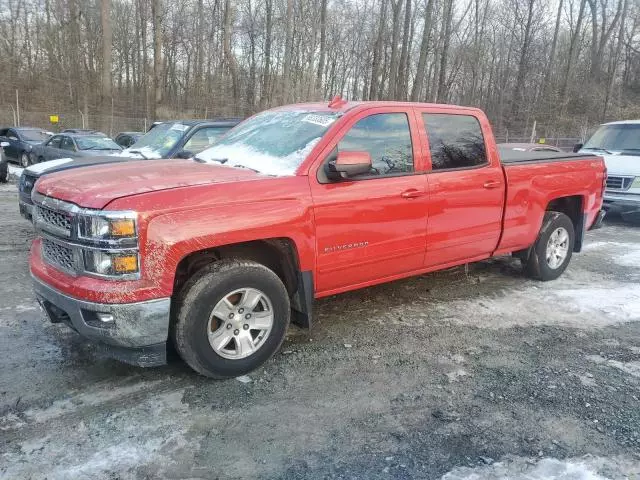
column 161, row 139
column 619, row 138
column 34, row 135
column 90, row 142
column 272, row 142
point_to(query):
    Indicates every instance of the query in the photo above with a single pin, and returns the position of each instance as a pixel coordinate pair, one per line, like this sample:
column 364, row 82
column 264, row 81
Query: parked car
column 4, row 164
column 83, row 130
column 218, row 253
column 21, row 141
column 169, row 137
column 619, row 144
column 72, row 145
column 179, row 138
column 528, row 147
column 126, row 139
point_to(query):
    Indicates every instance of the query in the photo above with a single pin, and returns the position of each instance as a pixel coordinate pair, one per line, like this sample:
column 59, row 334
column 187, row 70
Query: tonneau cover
column 514, row 156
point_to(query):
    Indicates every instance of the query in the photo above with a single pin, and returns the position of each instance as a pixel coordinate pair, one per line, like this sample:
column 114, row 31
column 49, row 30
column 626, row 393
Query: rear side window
column 455, row 141
column 387, row 138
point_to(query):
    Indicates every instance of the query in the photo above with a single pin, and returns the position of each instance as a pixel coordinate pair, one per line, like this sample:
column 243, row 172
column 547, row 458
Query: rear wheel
column 232, row 317
column 551, row 254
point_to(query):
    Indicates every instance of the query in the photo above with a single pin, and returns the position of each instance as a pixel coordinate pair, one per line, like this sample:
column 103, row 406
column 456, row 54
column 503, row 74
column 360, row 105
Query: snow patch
column 95, row 397
column 39, row 168
column 246, row 156
column 632, row 368
column 585, row 468
column 548, row 304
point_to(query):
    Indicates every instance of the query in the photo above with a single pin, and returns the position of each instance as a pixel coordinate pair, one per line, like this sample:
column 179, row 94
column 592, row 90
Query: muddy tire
column 551, row 254
column 232, row 316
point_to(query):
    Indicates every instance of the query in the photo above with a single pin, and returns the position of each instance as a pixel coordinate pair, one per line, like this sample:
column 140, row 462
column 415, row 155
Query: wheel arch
column 279, row 254
column 573, row 207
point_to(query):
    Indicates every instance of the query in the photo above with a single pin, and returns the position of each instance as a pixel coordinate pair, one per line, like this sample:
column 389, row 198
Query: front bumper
column 25, row 207
column 621, row 202
column 136, row 333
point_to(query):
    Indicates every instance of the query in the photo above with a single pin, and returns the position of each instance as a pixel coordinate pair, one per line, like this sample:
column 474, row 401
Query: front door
column 372, row 227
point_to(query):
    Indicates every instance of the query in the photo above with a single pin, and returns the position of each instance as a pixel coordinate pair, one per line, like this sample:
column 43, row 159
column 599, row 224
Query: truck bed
column 515, row 156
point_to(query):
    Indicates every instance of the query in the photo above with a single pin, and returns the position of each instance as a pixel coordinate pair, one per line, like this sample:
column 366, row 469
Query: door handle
column 492, row 184
column 413, row 193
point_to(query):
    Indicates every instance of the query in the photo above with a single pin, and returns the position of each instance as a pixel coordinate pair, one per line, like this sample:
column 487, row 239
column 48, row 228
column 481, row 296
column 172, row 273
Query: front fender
column 172, row 236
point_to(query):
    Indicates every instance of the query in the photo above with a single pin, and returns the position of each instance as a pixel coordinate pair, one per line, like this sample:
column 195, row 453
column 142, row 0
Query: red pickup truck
column 218, row 253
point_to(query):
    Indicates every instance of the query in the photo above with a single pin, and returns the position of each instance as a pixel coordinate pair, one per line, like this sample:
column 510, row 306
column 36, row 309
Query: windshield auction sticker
column 322, row 120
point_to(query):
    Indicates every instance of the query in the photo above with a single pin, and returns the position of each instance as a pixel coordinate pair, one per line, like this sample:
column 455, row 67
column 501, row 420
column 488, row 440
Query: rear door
column 371, row 227
column 68, row 148
column 466, row 187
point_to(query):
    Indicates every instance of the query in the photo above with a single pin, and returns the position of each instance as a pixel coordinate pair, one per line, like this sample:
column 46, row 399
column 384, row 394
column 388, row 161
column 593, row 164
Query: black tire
column 4, row 171
column 536, row 266
column 25, row 160
column 201, row 294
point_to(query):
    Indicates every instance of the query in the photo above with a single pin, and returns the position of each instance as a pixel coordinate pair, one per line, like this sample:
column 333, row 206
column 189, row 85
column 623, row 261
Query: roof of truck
column 345, row 106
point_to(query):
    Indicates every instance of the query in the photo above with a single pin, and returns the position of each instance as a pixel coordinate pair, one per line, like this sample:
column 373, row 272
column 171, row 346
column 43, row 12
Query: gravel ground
column 478, row 374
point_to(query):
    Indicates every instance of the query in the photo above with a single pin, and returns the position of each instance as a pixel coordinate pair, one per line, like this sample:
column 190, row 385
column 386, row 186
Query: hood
column 96, row 186
column 66, row 163
column 143, row 152
column 621, row 164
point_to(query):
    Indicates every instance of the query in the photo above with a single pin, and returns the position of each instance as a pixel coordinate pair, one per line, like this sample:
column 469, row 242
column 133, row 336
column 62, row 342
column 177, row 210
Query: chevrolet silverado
column 218, row 253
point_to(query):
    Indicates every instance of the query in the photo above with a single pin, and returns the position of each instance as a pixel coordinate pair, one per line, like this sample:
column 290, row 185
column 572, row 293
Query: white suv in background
column 619, row 144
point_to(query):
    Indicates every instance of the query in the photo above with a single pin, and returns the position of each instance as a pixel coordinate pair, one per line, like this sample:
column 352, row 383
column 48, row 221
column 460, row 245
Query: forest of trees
column 566, row 64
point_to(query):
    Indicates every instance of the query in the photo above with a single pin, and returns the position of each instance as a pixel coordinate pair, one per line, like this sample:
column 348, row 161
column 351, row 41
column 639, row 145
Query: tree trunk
column 441, row 94
column 323, row 43
column 264, row 97
column 518, row 95
column 377, row 53
column 107, row 41
column 424, row 50
column 228, row 53
column 156, row 7
column 401, row 81
column 396, row 8
column 286, row 80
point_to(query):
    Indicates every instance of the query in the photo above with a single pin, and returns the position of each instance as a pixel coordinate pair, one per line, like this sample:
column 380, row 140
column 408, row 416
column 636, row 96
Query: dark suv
column 170, row 139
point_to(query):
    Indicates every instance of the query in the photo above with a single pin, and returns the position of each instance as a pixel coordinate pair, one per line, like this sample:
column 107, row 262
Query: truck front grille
column 58, row 255
column 60, row 221
column 619, row 183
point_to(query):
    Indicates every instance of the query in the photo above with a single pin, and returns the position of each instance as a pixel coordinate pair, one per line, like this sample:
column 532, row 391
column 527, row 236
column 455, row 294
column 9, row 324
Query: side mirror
column 349, row 164
column 577, row 147
column 184, row 154
column 4, row 144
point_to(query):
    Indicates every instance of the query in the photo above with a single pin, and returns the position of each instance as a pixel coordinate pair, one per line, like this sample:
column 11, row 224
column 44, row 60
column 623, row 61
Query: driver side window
column 387, row 138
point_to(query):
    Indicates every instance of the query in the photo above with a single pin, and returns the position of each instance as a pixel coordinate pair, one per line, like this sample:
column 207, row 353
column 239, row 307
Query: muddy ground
column 461, row 374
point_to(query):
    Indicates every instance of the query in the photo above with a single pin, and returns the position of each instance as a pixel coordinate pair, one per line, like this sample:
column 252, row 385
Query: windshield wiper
column 244, row 166
column 218, row 160
column 598, row 149
column 139, row 153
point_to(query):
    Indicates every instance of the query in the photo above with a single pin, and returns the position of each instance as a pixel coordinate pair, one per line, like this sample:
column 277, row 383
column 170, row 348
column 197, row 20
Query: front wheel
column 232, row 316
column 25, row 161
column 551, row 254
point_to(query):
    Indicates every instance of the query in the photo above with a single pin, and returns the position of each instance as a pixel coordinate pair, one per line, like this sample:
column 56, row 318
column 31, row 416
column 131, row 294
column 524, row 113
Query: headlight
column 111, row 226
column 108, row 263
